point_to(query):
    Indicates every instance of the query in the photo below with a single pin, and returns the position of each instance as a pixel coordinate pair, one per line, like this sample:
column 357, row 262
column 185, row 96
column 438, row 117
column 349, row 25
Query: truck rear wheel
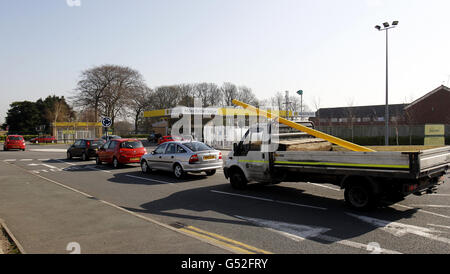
column 238, row 180
column 360, row 196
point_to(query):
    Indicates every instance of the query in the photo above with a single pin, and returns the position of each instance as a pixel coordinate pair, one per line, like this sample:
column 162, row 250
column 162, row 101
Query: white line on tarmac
column 423, row 211
column 268, row 200
column 436, row 206
column 399, row 229
column 441, row 226
column 64, row 162
column 147, row 179
column 332, row 188
column 49, row 150
column 300, row 233
column 9, row 160
column 26, row 160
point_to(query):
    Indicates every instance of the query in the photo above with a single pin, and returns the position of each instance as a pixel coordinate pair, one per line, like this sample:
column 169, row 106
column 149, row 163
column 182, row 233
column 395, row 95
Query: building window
column 342, row 120
column 380, row 119
column 334, row 120
column 366, row 119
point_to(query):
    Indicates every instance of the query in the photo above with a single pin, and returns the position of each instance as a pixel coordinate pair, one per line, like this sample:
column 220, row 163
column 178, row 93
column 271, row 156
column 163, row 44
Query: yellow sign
column 434, row 141
column 218, row 111
column 434, row 130
column 68, row 132
column 77, row 124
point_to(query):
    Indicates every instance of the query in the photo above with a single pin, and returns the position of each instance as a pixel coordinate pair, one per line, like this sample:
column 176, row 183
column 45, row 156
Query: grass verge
column 7, row 245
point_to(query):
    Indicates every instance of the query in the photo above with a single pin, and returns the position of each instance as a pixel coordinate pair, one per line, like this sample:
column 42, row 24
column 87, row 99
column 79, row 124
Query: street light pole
column 386, row 114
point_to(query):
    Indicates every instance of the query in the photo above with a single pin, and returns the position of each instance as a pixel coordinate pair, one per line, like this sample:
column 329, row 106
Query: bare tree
column 106, row 89
column 140, row 101
column 229, row 92
column 165, row 97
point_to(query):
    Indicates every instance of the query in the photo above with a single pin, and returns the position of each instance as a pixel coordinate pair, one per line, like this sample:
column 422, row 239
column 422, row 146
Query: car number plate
column 134, row 159
column 209, row 157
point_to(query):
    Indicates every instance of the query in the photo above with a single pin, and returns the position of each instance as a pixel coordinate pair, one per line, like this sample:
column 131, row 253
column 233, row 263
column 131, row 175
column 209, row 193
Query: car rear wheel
column 116, row 163
column 210, row 172
column 5, row 149
column 85, row 157
column 360, row 196
column 97, row 161
column 178, row 171
column 145, row 168
column 69, row 155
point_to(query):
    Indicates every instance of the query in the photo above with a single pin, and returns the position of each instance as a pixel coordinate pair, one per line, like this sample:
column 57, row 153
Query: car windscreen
column 15, row 138
column 197, row 146
column 131, row 144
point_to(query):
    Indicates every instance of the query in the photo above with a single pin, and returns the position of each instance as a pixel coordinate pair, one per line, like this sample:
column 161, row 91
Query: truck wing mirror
column 235, row 146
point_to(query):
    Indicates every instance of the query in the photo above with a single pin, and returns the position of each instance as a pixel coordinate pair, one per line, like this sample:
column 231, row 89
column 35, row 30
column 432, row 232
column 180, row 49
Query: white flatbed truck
column 366, row 177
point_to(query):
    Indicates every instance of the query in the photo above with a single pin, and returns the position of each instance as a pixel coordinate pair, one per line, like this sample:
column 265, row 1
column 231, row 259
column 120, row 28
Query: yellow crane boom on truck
column 310, row 131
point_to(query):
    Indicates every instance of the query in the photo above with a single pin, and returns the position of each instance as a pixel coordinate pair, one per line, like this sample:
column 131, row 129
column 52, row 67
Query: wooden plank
column 313, row 132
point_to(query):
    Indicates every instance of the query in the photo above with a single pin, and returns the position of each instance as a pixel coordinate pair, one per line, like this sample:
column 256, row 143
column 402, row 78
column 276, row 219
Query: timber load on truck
column 367, row 176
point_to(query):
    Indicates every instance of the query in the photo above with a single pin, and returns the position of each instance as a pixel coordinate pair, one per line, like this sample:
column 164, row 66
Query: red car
column 43, row 139
column 169, row 139
column 14, row 142
column 121, row 151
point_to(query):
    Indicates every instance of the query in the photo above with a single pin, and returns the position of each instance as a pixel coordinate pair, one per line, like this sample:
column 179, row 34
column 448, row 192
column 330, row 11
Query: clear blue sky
column 328, row 48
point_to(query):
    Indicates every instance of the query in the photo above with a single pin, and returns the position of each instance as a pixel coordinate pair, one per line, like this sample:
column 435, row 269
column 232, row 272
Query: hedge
column 26, row 137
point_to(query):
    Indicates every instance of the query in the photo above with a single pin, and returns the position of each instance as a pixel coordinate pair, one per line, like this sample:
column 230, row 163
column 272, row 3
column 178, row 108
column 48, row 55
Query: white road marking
column 49, row 150
column 301, row 232
column 64, row 162
column 148, row 179
column 436, row 206
column 9, row 160
column 49, row 166
column 441, row 226
column 324, row 186
column 269, row 200
column 399, row 230
column 423, row 211
column 26, row 160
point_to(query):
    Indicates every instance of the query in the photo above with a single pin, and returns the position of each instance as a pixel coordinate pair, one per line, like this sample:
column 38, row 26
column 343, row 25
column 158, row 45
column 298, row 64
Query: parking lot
column 299, row 218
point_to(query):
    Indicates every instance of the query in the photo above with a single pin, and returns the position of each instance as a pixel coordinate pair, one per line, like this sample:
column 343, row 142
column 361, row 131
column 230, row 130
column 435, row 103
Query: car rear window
column 197, row 146
column 15, row 138
column 132, row 144
column 97, row 143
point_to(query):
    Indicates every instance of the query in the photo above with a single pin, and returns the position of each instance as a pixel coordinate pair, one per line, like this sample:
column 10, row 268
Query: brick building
column 407, row 122
column 432, row 108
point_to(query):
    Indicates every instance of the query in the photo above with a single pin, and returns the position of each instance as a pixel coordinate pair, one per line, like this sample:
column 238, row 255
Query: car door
column 102, row 151
column 169, row 156
column 110, row 151
column 76, row 148
column 155, row 160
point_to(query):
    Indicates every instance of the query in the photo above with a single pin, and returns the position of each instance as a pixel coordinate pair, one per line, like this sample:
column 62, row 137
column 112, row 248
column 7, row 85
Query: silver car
column 182, row 157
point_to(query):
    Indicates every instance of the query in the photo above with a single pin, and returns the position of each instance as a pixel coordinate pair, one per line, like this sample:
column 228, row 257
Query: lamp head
column 395, row 23
column 378, row 27
column 386, row 25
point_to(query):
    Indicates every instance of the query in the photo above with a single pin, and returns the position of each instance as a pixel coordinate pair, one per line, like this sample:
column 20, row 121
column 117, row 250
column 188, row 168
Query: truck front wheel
column 360, row 196
column 238, row 180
